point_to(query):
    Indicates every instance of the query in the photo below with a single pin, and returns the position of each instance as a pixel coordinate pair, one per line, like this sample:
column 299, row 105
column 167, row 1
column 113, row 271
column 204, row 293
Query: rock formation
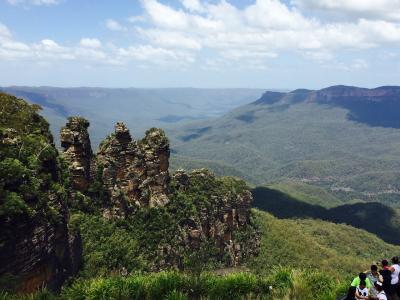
column 38, row 253
column 37, row 247
column 134, row 173
column 77, row 151
column 221, row 218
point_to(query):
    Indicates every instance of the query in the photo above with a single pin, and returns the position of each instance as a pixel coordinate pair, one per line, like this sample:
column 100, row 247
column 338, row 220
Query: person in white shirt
column 362, row 291
column 381, row 293
column 395, row 269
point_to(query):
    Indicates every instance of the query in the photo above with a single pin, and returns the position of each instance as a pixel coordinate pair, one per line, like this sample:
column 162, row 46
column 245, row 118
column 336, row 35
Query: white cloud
column 91, row 50
column 217, row 33
column 156, row 55
column 263, row 29
column 49, row 49
column 376, row 9
column 4, row 31
column 114, row 25
column 272, row 14
column 90, row 43
column 170, row 39
column 193, row 5
column 165, row 16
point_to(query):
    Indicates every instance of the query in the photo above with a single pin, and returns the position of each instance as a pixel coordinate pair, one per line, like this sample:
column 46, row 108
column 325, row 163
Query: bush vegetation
column 280, row 283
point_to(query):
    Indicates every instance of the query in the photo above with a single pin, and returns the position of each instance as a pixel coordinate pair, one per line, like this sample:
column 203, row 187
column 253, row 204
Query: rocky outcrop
column 37, row 253
column 224, row 219
column 135, row 173
column 37, row 247
column 77, row 151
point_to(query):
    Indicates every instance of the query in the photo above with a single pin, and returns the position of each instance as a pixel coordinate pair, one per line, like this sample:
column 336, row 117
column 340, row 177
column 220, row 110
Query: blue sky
column 200, row 43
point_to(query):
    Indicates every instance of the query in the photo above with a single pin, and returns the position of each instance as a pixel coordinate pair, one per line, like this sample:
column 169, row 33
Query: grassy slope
column 310, row 142
column 334, row 248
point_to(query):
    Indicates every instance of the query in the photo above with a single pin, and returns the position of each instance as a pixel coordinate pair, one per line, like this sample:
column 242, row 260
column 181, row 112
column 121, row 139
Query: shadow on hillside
column 373, row 217
column 372, row 113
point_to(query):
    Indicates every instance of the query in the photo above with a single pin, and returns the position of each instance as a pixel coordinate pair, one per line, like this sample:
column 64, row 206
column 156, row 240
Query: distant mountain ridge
column 343, row 138
column 375, row 107
column 140, row 108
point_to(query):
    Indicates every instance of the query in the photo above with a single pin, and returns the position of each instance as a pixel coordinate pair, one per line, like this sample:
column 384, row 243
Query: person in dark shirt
column 386, row 277
column 351, row 293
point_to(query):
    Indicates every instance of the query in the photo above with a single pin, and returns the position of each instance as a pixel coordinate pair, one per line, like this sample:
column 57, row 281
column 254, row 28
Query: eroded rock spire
column 77, row 151
column 134, row 173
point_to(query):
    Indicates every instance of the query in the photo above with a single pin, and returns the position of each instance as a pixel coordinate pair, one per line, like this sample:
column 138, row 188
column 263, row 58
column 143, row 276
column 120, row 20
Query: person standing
column 395, row 269
column 386, row 277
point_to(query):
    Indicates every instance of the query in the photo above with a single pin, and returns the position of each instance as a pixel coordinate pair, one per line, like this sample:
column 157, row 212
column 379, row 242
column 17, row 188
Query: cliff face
column 37, row 247
column 135, row 174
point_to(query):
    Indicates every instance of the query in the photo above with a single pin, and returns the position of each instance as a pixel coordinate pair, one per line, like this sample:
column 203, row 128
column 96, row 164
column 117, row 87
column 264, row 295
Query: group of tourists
column 377, row 284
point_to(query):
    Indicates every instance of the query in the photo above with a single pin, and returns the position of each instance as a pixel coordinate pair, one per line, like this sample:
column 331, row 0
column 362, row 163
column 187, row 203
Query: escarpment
column 134, row 175
column 37, row 246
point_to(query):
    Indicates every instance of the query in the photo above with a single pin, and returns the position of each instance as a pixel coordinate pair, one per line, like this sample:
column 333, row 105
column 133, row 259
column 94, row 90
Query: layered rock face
column 224, row 219
column 37, row 253
column 134, row 173
column 37, row 247
column 77, row 151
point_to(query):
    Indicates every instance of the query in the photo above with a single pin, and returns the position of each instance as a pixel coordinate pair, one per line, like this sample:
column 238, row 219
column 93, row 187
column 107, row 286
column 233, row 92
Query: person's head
column 384, row 263
column 378, row 286
column 395, row 260
column 374, row 269
column 363, row 284
column 362, row 276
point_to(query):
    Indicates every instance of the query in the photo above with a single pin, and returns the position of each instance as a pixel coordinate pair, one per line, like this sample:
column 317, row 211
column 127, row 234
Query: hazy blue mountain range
column 139, row 108
column 346, row 139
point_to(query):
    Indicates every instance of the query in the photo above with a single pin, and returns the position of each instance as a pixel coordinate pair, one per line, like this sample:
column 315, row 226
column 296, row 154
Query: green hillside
column 337, row 249
column 373, row 217
column 306, row 141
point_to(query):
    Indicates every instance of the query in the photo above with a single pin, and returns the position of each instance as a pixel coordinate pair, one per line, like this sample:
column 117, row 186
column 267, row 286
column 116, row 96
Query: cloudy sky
column 200, row 43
